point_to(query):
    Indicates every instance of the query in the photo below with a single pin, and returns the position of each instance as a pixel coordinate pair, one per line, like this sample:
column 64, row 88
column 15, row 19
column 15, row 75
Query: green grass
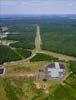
column 23, row 52
column 73, row 67
column 71, row 80
column 19, row 89
column 24, row 89
column 64, row 93
column 43, row 57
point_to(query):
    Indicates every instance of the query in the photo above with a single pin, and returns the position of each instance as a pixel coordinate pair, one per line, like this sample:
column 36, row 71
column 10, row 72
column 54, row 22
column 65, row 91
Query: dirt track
column 20, row 74
column 60, row 56
column 38, row 40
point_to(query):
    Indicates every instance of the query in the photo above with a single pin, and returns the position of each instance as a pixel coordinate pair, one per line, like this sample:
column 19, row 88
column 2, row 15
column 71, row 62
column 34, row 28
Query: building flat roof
column 56, row 71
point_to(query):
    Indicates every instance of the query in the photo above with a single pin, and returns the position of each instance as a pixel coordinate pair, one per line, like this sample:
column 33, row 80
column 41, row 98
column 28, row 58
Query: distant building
column 55, row 70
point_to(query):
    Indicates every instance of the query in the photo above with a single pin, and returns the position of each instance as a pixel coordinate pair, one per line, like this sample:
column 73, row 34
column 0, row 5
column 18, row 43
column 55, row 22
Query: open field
column 30, row 88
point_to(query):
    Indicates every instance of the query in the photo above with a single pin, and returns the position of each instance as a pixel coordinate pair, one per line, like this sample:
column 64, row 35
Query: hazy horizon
column 37, row 7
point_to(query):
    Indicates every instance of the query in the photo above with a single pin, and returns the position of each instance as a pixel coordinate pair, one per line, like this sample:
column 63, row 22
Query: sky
column 37, row 7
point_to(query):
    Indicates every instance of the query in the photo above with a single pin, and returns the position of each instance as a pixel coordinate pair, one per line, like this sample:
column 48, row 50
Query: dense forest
column 7, row 54
column 59, row 35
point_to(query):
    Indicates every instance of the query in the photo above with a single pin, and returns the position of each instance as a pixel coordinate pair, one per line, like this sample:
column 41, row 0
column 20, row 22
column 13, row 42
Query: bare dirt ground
column 20, row 74
column 38, row 40
column 7, row 42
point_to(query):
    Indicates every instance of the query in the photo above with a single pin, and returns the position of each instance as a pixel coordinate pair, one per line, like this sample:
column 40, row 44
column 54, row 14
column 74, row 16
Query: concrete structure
column 55, row 70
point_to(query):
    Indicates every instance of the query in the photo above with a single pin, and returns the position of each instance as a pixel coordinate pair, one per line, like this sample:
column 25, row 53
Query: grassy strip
column 43, row 57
